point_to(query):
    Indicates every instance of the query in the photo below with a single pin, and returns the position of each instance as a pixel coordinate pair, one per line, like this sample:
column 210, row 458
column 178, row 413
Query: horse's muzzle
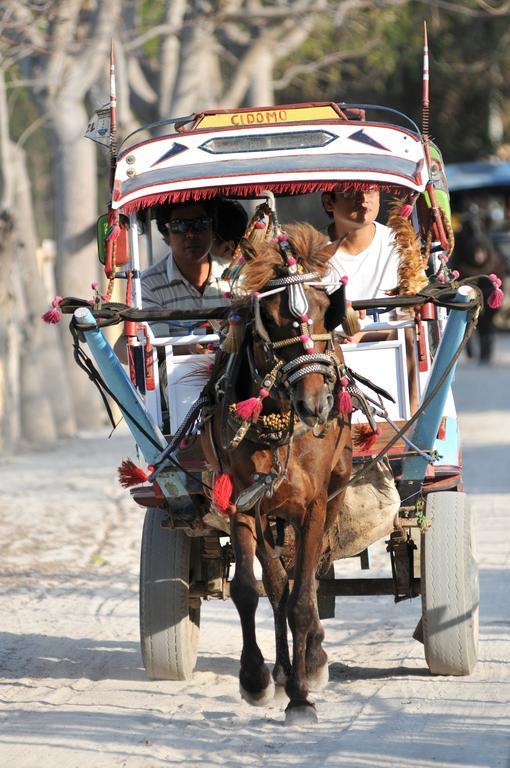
column 312, row 408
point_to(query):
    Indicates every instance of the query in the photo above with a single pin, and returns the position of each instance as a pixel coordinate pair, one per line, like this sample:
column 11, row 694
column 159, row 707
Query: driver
column 366, row 250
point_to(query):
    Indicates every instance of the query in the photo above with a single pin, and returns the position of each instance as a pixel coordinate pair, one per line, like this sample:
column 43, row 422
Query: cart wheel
column 169, row 624
column 449, row 586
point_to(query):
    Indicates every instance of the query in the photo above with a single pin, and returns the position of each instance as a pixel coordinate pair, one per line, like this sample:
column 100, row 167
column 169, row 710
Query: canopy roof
column 477, row 176
column 287, row 149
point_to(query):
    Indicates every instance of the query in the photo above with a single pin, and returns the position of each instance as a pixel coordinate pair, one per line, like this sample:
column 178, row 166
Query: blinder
column 337, row 309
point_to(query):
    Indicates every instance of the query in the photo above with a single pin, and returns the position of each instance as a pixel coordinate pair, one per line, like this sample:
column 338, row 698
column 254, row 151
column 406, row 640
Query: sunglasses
column 351, row 192
column 182, row 226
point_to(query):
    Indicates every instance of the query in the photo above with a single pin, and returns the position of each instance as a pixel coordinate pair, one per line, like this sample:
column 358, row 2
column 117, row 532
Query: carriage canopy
column 284, row 149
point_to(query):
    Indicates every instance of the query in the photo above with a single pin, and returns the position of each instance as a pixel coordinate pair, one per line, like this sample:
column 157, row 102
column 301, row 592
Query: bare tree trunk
column 195, row 85
column 9, row 340
column 43, row 373
column 77, row 265
column 261, row 91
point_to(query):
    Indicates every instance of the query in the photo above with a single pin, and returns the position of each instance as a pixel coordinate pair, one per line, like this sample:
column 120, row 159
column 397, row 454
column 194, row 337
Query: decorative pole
column 113, row 215
column 438, row 222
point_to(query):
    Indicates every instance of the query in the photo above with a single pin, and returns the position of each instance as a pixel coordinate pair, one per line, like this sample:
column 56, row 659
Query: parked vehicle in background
column 480, row 195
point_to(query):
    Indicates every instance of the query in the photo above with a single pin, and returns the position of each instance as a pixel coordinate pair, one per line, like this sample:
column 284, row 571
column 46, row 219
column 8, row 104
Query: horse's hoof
column 260, row 698
column 301, row 714
column 318, row 679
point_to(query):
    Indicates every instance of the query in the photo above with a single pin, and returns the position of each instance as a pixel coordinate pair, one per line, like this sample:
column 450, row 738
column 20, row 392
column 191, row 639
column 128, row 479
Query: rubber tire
column 169, row 626
column 449, row 585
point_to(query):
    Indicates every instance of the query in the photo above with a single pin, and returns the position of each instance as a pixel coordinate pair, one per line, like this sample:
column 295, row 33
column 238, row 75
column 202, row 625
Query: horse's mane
column 310, row 247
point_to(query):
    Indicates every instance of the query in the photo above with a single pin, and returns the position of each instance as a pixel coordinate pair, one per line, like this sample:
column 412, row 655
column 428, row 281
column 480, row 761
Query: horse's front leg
column 276, row 584
column 309, row 662
column 255, row 682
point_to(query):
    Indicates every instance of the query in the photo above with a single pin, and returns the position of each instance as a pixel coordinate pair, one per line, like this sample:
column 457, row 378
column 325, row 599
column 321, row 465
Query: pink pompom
column 56, row 301
column 344, row 381
column 291, row 261
column 310, row 351
column 282, row 237
column 304, row 318
column 455, row 274
column 441, row 278
column 344, row 280
column 263, row 393
column 94, row 286
column 304, row 338
column 495, row 300
column 260, row 224
column 344, row 403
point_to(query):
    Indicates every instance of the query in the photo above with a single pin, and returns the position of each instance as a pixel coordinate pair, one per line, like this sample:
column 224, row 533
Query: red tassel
column 364, row 438
column 222, row 494
column 344, row 403
column 129, row 474
column 113, row 233
column 249, row 409
column 405, row 210
column 52, row 316
column 495, row 300
column 113, row 225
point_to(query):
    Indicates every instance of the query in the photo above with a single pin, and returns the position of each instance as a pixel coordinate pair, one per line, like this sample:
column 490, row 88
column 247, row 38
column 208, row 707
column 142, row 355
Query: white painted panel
column 384, row 363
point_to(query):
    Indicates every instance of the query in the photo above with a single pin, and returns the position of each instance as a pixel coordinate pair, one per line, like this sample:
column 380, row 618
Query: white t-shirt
column 371, row 272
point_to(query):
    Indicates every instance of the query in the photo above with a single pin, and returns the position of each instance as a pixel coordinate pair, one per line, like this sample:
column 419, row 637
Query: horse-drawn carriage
column 286, row 438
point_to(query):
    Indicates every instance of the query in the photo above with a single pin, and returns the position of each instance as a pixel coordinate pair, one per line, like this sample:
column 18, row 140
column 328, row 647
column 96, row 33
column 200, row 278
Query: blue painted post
column 120, row 384
column 171, row 482
column 426, row 428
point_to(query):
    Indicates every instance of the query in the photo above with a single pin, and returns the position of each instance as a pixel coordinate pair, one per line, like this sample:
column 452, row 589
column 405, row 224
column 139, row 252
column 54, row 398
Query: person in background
column 230, row 222
column 475, row 254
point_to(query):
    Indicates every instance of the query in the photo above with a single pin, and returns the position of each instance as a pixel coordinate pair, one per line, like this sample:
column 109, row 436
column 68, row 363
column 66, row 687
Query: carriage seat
column 179, row 380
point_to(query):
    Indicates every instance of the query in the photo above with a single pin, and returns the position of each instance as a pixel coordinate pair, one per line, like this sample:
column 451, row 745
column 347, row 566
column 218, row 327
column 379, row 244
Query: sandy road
column 72, row 689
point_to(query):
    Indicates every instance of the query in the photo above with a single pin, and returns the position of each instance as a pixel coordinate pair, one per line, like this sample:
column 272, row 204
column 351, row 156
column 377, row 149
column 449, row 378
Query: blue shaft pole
column 120, row 384
column 425, row 431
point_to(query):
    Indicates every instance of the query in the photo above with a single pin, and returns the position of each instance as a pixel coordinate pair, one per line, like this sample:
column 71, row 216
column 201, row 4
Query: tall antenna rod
column 113, row 117
column 425, row 116
column 425, row 99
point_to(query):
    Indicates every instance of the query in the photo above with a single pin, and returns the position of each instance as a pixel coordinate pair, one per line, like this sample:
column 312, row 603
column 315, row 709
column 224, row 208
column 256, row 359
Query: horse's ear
column 337, row 309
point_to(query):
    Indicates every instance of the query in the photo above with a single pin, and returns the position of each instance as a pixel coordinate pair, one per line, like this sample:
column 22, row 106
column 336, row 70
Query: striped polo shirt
column 165, row 287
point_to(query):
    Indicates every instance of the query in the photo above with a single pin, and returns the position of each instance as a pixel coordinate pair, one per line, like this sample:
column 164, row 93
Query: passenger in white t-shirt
column 366, row 250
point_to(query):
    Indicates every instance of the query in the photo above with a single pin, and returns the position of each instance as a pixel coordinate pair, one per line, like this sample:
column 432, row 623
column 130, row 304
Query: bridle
column 287, row 374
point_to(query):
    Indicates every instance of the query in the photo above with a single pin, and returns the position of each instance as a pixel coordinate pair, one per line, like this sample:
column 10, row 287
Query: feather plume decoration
column 411, row 268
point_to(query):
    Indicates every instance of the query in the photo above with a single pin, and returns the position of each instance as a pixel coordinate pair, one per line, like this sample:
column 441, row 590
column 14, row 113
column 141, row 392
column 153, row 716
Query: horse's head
column 293, row 319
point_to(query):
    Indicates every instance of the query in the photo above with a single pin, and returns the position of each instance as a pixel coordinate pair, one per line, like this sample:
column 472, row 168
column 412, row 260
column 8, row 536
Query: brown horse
column 284, row 447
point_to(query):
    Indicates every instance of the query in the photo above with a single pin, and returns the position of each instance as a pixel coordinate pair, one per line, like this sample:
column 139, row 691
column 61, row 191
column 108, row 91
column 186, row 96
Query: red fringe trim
column 129, row 474
column 363, row 437
column 251, row 190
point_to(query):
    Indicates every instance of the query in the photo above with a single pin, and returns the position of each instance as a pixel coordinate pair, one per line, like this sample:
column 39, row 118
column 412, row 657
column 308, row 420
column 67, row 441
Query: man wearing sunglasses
column 366, row 251
column 189, row 277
